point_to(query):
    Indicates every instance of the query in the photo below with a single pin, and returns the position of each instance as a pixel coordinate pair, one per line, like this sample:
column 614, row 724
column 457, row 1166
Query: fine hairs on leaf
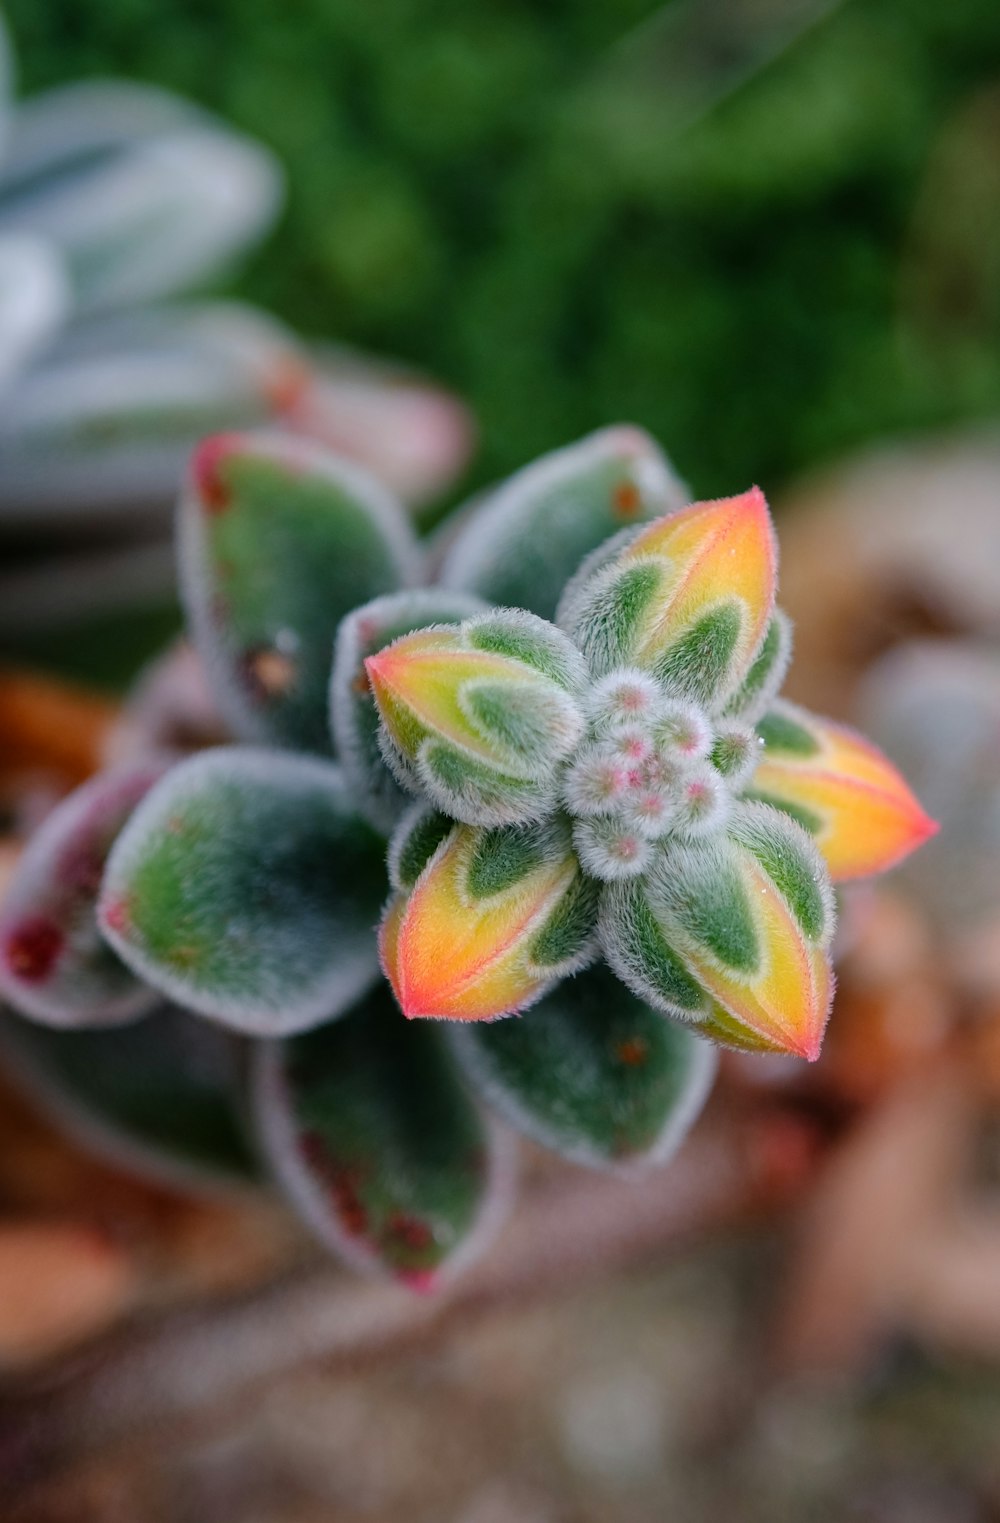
column 279, row 539
column 564, row 506
column 354, row 720
column 55, row 966
column 245, row 888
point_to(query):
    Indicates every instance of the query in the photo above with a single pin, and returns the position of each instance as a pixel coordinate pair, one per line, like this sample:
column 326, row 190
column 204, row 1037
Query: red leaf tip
column 205, row 470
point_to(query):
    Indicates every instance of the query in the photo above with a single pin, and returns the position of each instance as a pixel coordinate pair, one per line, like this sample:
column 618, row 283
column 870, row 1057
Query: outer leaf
column 353, row 714
column 412, row 435
column 689, row 599
column 479, row 718
column 33, row 300
column 731, row 933
column 246, row 888
column 279, row 539
column 54, row 964
column 160, row 1096
column 369, row 1129
column 840, row 788
column 103, row 424
column 593, row 1073
column 139, row 210
column 522, row 544
column 494, row 918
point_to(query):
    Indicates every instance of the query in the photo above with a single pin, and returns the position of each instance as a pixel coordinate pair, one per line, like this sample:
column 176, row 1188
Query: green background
column 506, row 194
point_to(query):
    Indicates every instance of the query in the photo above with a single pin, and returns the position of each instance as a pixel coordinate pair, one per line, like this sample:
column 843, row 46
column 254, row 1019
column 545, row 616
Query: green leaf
column 783, row 734
column 792, row 863
column 246, row 888
column 159, row 1097
column 637, row 949
column 592, row 1072
column 414, row 841
column 697, row 665
column 522, row 544
column 279, row 540
column 353, row 715
column 370, row 1130
column 54, row 964
column 763, row 681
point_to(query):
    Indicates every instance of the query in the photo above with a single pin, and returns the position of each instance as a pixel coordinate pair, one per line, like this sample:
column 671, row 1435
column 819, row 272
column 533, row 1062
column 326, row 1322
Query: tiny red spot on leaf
column 632, row 1051
column 205, row 471
column 627, row 499
column 408, row 1232
column 116, row 916
column 269, row 673
column 33, row 948
column 287, row 385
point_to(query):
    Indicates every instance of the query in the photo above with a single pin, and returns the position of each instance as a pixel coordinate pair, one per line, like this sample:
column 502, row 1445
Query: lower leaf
column 370, row 1130
column 159, row 1097
column 246, row 889
column 54, row 964
column 593, row 1073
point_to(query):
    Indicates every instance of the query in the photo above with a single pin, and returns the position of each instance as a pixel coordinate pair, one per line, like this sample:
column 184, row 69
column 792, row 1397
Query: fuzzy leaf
column 593, row 1073
column 495, row 917
column 370, row 1130
column 414, row 841
column 160, row 1096
column 731, row 932
column 245, row 888
column 521, row 545
column 762, row 683
column 279, row 539
column 688, row 599
column 479, row 718
column 841, row 789
column 354, row 716
column 54, row 965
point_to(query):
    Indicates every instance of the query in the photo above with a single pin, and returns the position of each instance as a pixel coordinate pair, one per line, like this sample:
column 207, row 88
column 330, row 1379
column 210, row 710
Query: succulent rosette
column 547, row 804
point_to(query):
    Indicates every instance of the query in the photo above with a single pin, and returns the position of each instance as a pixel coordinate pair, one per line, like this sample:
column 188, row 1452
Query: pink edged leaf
column 409, row 432
column 159, row 1097
column 246, row 888
column 841, row 789
column 368, row 1127
column 688, row 599
column 354, row 716
column 731, row 932
column 484, row 921
column 54, row 964
column 593, row 1073
column 522, row 543
column 280, row 539
column 477, row 718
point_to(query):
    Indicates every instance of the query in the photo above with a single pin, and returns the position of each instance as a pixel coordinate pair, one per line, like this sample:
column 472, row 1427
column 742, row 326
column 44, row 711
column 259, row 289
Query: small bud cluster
column 650, row 767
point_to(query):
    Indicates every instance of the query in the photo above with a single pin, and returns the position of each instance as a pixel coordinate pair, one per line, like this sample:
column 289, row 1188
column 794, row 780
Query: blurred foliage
column 509, row 194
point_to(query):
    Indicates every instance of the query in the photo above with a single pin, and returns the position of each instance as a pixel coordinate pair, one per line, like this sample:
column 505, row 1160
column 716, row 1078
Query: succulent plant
column 544, row 754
